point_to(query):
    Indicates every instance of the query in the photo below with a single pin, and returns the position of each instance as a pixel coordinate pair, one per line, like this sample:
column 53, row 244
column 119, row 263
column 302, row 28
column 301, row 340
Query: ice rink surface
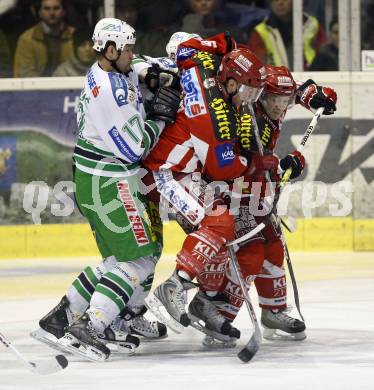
column 337, row 302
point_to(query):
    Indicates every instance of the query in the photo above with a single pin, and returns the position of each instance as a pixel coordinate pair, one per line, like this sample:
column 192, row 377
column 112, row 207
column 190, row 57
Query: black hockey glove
column 312, row 96
column 151, row 79
column 230, row 42
column 157, row 77
column 164, row 105
column 295, row 161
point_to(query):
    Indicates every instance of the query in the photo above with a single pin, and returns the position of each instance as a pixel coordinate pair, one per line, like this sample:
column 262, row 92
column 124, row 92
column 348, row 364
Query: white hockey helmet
column 176, row 39
column 115, row 30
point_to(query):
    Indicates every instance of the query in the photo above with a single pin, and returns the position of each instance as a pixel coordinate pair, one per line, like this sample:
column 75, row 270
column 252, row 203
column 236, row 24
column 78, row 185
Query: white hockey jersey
column 112, row 126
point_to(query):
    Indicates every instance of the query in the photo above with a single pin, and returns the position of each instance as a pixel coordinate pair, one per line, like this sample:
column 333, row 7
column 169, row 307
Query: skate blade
column 155, row 306
column 121, row 348
column 71, row 344
column 199, row 324
column 47, row 338
column 277, row 334
column 212, row 343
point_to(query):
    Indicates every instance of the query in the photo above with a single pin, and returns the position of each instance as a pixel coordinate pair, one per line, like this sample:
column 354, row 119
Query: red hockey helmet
column 245, row 68
column 279, row 81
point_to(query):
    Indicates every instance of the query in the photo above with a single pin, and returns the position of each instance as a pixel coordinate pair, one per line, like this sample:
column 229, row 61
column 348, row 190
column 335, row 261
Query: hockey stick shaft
column 20, row 357
column 43, row 367
column 251, row 348
column 293, row 280
column 247, row 236
column 307, row 134
column 309, row 131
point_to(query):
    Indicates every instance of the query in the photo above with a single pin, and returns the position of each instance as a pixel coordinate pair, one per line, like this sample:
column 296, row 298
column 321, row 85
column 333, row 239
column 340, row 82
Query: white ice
column 337, row 354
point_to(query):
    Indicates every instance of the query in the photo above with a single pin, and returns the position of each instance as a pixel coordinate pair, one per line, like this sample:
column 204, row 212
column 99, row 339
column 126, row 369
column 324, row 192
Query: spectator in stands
column 202, row 19
column 41, row 48
column 328, row 56
column 272, row 39
column 151, row 36
column 5, row 56
column 84, row 56
column 80, row 13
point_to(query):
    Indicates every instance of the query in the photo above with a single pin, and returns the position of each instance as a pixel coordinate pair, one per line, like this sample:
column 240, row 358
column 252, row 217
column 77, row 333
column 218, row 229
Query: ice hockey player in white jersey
column 114, row 135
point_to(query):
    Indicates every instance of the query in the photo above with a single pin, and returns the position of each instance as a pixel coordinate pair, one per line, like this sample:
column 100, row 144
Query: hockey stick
column 293, row 280
column 309, row 131
column 41, row 367
column 307, row 134
column 253, row 345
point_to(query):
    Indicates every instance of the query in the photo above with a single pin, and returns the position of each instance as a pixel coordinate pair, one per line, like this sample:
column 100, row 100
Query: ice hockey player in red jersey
column 200, row 148
column 262, row 258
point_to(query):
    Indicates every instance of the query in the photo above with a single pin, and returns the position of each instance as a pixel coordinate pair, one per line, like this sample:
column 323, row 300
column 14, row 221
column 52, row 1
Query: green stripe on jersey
column 91, row 276
column 104, row 166
column 122, row 283
column 87, row 145
column 111, row 295
column 81, row 290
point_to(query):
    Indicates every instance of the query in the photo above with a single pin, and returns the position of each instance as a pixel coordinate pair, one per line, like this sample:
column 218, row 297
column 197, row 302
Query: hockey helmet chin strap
column 113, row 63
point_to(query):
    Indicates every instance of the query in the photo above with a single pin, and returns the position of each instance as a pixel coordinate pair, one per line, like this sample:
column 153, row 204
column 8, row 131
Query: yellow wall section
column 316, row 235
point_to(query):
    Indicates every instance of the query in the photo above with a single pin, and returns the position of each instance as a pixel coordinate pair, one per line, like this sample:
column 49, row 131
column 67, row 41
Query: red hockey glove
column 312, row 96
column 259, row 163
column 295, row 161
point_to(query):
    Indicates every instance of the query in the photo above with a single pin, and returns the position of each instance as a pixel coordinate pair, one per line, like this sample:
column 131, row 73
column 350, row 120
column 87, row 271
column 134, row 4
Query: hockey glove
column 259, row 163
column 164, row 105
column 295, row 161
column 230, row 42
column 157, row 77
column 312, row 96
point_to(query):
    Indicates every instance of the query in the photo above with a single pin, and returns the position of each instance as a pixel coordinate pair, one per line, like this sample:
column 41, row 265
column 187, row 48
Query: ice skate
column 206, row 318
column 118, row 340
column 82, row 339
column 167, row 303
column 53, row 325
column 278, row 325
column 141, row 326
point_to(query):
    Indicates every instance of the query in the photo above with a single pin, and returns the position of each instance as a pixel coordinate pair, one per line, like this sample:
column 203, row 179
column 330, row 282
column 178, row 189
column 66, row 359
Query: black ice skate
column 82, row 339
column 278, row 325
column 167, row 302
column 206, row 318
column 53, row 325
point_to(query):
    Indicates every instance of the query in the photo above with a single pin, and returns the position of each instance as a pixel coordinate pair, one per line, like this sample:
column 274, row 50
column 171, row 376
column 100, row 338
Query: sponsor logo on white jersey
column 193, row 98
column 132, row 213
column 119, row 88
column 122, row 145
column 95, row 89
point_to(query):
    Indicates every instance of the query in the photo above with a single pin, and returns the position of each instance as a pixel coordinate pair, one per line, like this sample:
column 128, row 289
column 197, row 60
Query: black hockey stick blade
column 249, row 351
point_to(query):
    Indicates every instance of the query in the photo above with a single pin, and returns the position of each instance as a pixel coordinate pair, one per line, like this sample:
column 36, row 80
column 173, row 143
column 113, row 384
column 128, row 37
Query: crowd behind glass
column 53, row 37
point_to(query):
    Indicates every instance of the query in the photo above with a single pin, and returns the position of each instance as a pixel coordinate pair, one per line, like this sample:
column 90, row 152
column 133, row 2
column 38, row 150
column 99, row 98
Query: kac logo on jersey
column 122, row 145
column 119, row 88
column 225, row 155
column 193, row 99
